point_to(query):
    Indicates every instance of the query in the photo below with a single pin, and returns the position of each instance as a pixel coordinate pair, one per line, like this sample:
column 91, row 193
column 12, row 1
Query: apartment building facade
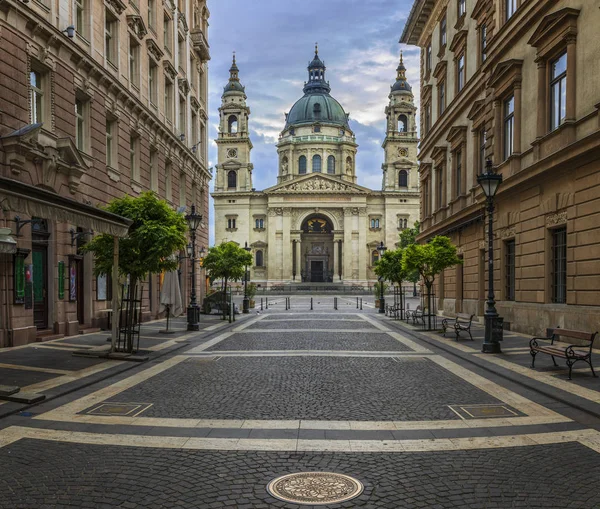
column 100, row 99
column 516, row 82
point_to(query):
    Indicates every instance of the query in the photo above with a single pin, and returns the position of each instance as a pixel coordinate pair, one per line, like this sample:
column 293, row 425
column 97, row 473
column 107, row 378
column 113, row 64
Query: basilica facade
column 316, row 224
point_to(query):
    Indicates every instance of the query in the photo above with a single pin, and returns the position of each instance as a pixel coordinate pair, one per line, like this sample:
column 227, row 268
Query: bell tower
column 400, row 144
column 234, row 169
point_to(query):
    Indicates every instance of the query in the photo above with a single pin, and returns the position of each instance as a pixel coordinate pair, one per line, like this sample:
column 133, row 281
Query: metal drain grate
column 482, row 411
column 118, row 409
column 315, row 488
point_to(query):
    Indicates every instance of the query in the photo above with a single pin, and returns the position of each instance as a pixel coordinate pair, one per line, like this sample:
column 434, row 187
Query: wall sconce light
column 182, row 137
column 70, row 31
column 195, row 147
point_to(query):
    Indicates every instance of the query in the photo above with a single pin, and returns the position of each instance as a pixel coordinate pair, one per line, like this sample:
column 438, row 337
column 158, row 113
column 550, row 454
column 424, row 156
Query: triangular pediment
column 317, row 183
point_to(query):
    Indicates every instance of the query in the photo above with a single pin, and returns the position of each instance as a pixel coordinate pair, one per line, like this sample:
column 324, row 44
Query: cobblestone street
column 418, row 419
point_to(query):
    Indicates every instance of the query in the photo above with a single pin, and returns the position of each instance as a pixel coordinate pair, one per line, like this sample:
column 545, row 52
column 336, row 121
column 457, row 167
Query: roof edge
column 412, row 32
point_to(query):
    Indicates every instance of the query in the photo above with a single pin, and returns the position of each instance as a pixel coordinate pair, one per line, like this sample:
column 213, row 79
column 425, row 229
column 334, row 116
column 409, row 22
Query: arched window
column 259, row 258
column 316, row 164
column 317, row 110
column 374, row 257
column 259, row 223
column 232, row 124
column 348, row 165
column 406, row 223
column 302, row 165
column 402, row 178
column 331, row 164
column 402, row 123
column 232, row 179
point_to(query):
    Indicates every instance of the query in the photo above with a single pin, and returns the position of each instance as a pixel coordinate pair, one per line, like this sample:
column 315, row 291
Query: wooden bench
column 462, row 322
column 571, row 353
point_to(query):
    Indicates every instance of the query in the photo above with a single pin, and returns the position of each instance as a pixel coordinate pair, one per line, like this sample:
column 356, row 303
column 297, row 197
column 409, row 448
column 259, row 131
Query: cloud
column 274, row 42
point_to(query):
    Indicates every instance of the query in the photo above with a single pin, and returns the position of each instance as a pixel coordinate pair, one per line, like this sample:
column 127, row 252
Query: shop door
column 40, row 285
column 316, row 272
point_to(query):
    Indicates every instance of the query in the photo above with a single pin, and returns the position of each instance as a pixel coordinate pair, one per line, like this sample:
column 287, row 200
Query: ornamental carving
column 318, row 184
column 154, row 50
column 137, row 26
column 116, row 5
column 184, row 86
column 170, row 70
column 508, row 233
column 555, row 219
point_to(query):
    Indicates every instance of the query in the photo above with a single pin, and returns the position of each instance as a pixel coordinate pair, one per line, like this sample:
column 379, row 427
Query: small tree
column 390, row 268
column 408, row 237
column 226, row 262
column 429, row 260
column 156, row 233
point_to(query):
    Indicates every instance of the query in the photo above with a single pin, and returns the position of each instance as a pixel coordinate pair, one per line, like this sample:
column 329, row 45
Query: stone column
column 362, row 245
column 336, row 260
column 571, row 111
column 347, row 253
column 287, row 246
column 298, row 260
column 518, row 119
column 542, row 126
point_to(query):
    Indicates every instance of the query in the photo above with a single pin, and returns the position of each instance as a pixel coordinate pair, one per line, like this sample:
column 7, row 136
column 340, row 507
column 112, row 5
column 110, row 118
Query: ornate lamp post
column 246, row 303
column 193, row 312
column 382, row 249
column 489, row 182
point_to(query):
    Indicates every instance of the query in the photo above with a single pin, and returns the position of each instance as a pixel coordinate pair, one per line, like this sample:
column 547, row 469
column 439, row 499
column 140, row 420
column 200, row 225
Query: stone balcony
column 200, row 44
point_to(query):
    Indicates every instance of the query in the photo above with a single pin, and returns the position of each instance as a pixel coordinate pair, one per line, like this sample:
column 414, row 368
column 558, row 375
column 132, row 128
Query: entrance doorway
column 316, row 272
column 39, row 257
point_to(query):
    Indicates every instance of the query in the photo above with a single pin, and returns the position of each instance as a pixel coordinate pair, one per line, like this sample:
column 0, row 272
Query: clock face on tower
column 232, row 153
column 402, row 152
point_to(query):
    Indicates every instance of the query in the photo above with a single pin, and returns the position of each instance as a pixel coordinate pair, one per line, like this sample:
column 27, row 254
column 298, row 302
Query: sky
column 274, row 41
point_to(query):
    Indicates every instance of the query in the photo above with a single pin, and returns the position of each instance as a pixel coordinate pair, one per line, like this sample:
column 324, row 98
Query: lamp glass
column 188, row 249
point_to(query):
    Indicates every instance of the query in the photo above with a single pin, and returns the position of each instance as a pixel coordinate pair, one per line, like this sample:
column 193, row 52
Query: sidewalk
column 46, row 370
column 583, row 392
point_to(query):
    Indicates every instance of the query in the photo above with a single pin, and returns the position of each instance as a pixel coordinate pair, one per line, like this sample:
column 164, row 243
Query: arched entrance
column 317, row 249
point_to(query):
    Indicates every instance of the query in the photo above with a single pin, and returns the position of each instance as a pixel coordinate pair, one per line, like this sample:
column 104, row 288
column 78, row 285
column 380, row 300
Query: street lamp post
column 246, row 303
column 193, row 312
column 489, row 182
column 382, row 249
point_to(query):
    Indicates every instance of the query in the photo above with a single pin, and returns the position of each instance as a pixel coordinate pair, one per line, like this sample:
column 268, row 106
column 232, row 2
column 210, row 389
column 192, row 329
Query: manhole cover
column 315, row 488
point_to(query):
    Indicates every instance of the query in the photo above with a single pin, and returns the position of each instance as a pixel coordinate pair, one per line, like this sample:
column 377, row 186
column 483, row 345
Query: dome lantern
column 233, row 85
column 401, row 85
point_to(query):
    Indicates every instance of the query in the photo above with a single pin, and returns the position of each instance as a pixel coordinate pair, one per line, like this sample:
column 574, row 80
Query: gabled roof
column 319, row 183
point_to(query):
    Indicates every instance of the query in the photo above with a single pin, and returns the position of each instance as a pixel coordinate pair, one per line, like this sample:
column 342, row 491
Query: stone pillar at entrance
column 336, row 260
column 298, row 260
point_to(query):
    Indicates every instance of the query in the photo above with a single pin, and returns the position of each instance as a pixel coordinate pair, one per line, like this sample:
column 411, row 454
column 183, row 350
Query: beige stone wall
column 77, row 69
column 551, row 179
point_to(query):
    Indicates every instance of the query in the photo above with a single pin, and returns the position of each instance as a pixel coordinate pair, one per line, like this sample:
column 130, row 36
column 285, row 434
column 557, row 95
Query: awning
column 33, row 201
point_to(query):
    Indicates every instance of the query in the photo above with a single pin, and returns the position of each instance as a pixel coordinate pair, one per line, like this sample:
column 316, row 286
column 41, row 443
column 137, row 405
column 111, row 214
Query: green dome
column 317, row 107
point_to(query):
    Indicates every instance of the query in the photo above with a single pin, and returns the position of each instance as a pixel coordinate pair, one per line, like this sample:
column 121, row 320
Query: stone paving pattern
column 371, row 342
column 21, row 377
column 51, row 474
column 323, row 323
column 48, row 358
column 320, row 388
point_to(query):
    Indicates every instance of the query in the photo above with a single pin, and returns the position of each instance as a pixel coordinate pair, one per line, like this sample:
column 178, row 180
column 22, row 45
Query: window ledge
column 375, row 229
column 259, row 229
column 442, row 51
column 231, row 229
column 460, row 22
column 113, row 174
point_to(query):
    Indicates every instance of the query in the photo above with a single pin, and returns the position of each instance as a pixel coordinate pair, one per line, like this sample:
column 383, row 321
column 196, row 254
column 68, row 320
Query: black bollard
column 361, row 303
column 356, row 302
column 266, row 302
column 261, row 303
column 311, row 303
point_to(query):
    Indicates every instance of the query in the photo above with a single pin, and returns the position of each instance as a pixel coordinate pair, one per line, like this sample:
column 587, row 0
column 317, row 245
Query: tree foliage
column 389, row 267
column 430, row 259
column 408, row 237
column 226, row 262
column 156, row 233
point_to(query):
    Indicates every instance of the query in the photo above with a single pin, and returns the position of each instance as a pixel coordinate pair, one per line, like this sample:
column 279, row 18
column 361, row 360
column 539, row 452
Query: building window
column 259, row 223
column 259, row 258
column 559, row 265
column 331, row 165
column 232, row 124
column 167, row 33
column 483, row 42
column 511, row 8
column 402, row 223
column 375, row 223
column 168, row 100
column 153, row 82
column 36, row 94
column 168, row 181
column 428, row 58
column 81, row 13
column 462, row 8
column 302, row 165
column 182, row 179
column 111, row 31
column 510, row 270
column 152, row 14
column 316, row 163
column 509, row 126
column 154, row 170
column 134, row 63
column 427, row 120
column 558, row 91
column 134, row 158
column 439, row 198
column 182, row 114
column 443, row 35
column 111, row 143
column 232, row 180
column 482, row 143
column 80, row 128
column 458, row 172
column 426, row 197
column 317, row 129
column 402, row 178
column 231, row 223
column 442, row 97
column 374, row 257
column 402, row 124
column 181, row 54
column 460, row 72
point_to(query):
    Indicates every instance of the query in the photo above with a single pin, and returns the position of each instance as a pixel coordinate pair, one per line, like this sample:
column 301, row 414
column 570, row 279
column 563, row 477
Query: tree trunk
column 428, row 305
column 225, row 299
